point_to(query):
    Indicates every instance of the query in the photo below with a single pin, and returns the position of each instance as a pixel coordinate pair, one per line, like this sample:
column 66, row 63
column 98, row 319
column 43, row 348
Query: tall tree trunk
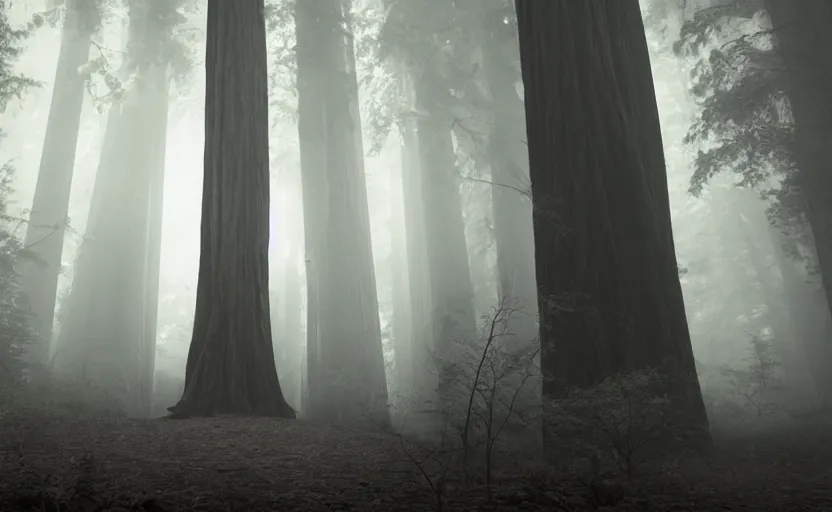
column 610, row 298
column 48, row 217
column 510, row 176
column 810, row 318
column 418, row 271
column 801, row 30
column 293, row 330
column 451, row 291
column 748, row 216
column 111, row 326
column 158, row 113
column 402, row 309
column 230, row 365
column 349, row 362
column 311, row 77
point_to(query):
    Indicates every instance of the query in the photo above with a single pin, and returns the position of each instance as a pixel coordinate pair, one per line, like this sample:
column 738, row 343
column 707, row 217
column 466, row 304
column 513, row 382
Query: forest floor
column 62, row 461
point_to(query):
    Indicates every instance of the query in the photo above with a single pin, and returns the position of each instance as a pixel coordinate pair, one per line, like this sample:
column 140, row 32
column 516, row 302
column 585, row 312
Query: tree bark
column 801, row 30
column 230, row 366
column 48, row 218
column 610, row 298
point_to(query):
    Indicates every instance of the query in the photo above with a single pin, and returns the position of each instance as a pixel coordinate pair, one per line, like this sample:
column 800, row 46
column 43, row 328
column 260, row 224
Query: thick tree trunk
column 451, row 291
column 349, row 358
column 810, row 319
column 801, row 30
column 452, row 294
column 230, row 365
column 48, row 217
column 610, row 298
column 111, row 327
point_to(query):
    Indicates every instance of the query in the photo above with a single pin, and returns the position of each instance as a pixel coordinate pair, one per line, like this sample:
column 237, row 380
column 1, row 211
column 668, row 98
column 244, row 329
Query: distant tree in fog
column 48, row 216
column 345, row 361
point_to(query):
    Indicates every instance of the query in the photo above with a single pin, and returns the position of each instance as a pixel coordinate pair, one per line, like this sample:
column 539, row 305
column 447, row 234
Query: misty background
column 737, row 295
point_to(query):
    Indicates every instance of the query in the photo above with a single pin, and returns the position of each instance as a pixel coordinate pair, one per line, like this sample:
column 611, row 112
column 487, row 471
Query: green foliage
column 163, row 43
column 745, row 123
column 622, row 416
column 280, row 19
column 16, row 334
column 440, row 45
column 12, row 85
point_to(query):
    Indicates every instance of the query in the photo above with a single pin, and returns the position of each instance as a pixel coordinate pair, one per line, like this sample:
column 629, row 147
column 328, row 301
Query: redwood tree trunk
column 451, row 291
column 418, row 272
column 801, row 30
column 610, row 298
column 402, row 332
column 311, row 77
column 349, row 363
column 158, row 112
column 109, row 336
column 230, row 365
column 48, row 217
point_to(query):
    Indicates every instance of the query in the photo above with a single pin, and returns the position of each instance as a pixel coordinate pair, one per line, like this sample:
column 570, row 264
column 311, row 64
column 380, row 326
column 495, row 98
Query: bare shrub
column 484, row 388
column 618, row 418
column 758, row 383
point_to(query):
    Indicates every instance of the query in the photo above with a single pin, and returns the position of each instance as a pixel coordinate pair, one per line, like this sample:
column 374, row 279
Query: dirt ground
column 62, row 461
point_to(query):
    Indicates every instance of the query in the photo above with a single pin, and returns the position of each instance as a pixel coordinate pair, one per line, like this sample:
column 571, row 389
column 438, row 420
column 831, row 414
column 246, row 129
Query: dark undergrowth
column 67, row 461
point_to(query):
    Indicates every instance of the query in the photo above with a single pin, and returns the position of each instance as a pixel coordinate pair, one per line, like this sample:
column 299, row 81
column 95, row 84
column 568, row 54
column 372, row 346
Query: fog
column 732, row 283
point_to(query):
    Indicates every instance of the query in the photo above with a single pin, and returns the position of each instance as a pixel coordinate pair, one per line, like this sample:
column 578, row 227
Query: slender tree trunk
column 402, row 309
column 230, row 365
column 418, row 271
column 510, row 176
column 159, row 80
column 48, row 218
column 292, row 321
column 348, row 357
column 610, row 298
column 311, row 77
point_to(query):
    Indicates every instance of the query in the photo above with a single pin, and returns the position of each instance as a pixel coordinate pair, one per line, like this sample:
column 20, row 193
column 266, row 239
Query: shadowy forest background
column 431, row 215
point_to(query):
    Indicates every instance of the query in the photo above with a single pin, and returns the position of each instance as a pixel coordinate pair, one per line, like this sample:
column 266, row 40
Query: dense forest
column 435, row 254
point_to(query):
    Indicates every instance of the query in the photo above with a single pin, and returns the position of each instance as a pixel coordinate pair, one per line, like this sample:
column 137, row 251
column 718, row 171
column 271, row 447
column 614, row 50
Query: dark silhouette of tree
column 609, row 292
column 230, row 366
